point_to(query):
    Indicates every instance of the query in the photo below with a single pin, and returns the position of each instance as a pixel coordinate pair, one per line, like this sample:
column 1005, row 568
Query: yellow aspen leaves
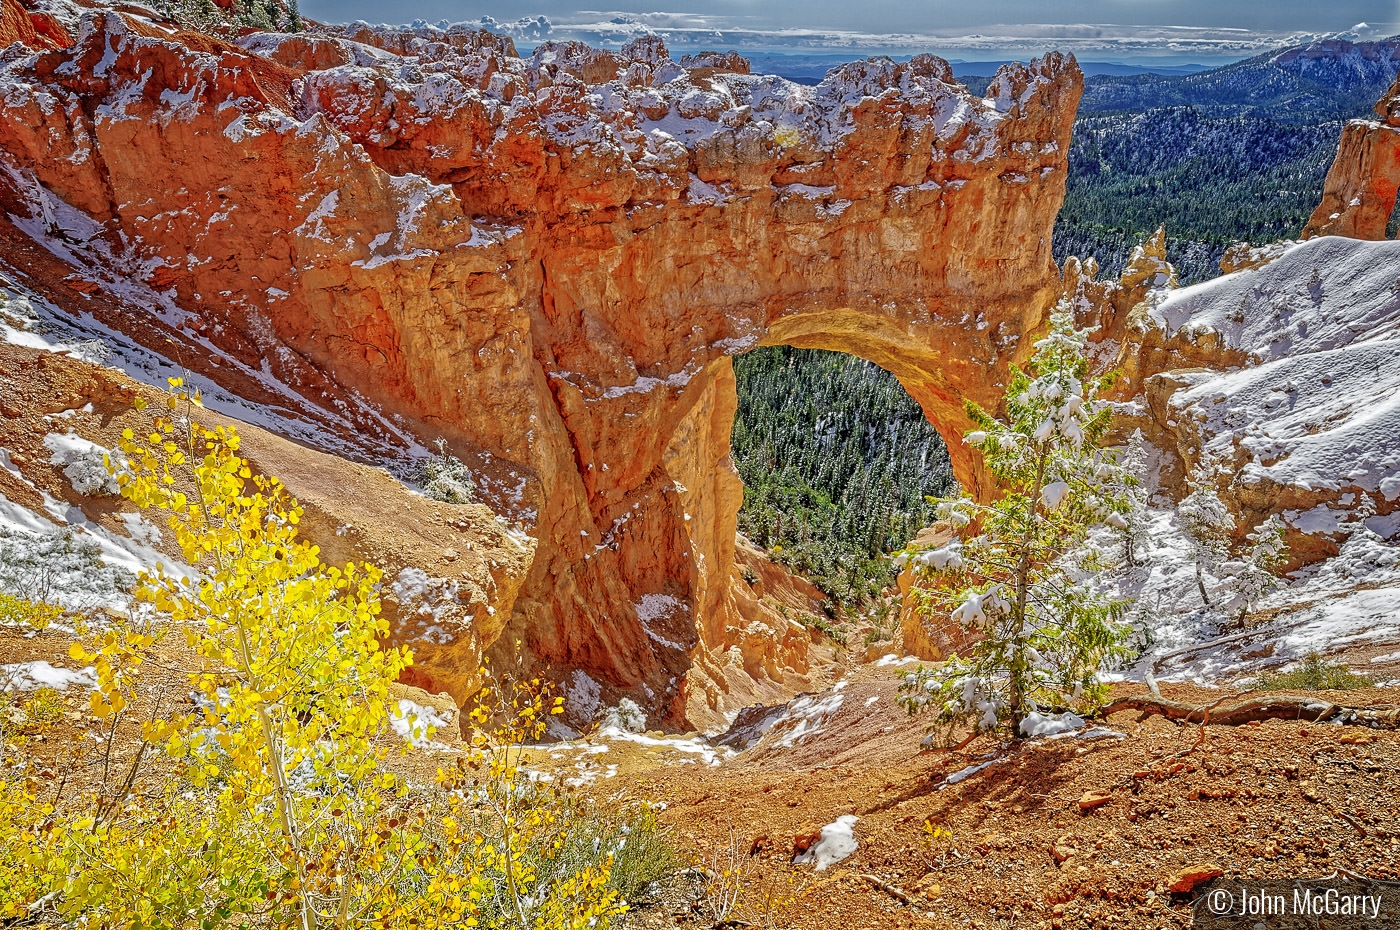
column 269, row 802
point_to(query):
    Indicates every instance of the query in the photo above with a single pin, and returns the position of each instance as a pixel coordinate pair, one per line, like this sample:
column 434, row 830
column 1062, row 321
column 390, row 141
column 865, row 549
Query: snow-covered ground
column 1318, row 408
column 837, row 842
column 1351, row 599
column 29, row 676
column 64, row 558
column 786, row 725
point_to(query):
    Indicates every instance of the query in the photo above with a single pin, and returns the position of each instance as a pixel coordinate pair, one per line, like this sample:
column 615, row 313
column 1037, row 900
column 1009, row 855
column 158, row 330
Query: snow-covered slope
column 1316, row 415
column 1299, row 418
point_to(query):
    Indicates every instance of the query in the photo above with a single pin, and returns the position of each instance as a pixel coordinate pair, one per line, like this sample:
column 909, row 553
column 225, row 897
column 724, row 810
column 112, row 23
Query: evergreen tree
column 1045, row 635
column 1256, row 574
column 1209, row 523
column 1131, row 523
column 837, row 462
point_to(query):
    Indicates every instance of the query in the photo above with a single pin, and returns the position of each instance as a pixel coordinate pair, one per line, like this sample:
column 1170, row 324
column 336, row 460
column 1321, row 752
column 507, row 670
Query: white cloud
column 687, row 30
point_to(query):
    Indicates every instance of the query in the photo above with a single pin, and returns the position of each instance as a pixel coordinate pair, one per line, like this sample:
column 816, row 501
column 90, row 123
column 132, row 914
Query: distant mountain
column 1328, row 79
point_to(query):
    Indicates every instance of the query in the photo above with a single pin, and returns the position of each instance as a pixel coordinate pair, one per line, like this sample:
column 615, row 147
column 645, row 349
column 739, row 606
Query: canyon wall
column 548, row 263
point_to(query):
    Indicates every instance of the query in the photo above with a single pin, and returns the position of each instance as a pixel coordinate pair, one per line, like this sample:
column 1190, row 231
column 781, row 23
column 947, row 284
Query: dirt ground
column 1279, row 800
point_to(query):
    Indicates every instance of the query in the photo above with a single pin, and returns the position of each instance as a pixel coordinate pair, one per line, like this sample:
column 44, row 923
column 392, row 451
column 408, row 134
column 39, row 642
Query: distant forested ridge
column 1211, row 180
column 1229, row 154
column 1327, row 79
column 836, row 460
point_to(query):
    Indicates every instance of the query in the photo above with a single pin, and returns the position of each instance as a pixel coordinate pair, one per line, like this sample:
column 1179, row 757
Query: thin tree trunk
column 1017, row 696
column 283, row 790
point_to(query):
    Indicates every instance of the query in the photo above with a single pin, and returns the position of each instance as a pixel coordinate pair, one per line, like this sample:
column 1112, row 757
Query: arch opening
column 837, row 461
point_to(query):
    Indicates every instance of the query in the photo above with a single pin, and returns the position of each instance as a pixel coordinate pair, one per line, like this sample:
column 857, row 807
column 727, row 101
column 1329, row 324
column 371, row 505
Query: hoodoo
column 1360, row 192
column 548, row 262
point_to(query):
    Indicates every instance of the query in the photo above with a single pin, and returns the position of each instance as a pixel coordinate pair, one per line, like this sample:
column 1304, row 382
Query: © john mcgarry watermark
column 1342, row 902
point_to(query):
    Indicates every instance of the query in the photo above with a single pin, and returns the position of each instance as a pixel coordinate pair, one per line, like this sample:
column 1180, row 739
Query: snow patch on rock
column 84, row 463
column 838, row 842
column 30, row 676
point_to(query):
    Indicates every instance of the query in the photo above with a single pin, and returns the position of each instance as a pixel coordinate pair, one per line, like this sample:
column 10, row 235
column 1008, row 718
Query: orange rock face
column 549, row 263
column 1360, row 192
column 34, row 29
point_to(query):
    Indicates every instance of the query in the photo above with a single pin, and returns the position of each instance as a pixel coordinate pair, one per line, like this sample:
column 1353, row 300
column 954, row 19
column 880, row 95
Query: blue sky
column 1123, row 30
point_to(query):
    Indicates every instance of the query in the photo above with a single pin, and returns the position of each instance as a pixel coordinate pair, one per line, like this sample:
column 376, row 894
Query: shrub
column 445, row 478
column 642, row 853
column 42, row 568
column 18, row 611
column 639, row 850
column 626, row 716
column 86, row 465
column 787, row 136
column 1314, row 674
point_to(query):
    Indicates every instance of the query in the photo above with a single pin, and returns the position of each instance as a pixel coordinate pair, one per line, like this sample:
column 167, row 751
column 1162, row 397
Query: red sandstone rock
column 549, row 263
column 706, row 64
column 1093, row 799
column 1185, row 880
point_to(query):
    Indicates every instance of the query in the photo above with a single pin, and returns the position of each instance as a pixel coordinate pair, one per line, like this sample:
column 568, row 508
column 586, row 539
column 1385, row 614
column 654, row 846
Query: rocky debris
column 548, row 263
column 1094, row 798
column 1184, row 881
column 1018, row 843
column 1359, row 194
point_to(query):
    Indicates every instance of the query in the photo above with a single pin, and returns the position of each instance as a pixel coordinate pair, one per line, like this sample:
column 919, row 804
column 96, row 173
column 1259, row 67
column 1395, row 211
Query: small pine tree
column 1045, row 635
column 1131, row 523
column 1209, row 523
column 1256, row 574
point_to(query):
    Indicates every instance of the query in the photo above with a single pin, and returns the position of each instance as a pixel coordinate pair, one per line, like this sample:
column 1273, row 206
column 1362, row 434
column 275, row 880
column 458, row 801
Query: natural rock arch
column 549, row 262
